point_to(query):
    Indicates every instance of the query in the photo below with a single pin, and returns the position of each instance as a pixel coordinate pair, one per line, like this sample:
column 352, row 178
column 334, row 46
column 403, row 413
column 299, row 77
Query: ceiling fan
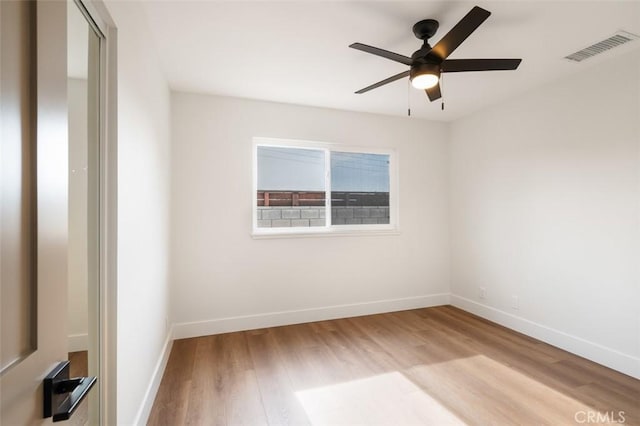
column 427, row 63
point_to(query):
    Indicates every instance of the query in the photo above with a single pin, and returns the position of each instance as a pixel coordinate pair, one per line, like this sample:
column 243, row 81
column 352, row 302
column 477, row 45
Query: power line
column 334, row 155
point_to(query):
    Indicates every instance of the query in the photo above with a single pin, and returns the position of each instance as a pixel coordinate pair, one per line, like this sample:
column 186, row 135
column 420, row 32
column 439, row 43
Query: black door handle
column 63, row 395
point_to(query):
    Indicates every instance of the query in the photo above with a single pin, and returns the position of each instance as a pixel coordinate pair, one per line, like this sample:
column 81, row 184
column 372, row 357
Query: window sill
column 323, row 233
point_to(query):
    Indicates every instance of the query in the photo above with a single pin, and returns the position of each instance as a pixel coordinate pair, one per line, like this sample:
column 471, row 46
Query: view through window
column 297, row 185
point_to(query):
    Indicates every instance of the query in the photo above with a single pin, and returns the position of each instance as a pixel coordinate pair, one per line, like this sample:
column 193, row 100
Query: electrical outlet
column 483, row 292
column 515, row 302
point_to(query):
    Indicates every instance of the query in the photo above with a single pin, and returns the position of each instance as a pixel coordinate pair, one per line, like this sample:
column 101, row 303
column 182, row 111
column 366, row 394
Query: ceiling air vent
column 618, row 39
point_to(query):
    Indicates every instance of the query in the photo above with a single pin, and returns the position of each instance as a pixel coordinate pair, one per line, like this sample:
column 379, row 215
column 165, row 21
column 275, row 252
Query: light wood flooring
column 435, row 366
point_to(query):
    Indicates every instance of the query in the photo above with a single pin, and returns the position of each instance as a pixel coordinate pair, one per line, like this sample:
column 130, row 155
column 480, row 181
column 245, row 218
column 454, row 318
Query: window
column 305, row 187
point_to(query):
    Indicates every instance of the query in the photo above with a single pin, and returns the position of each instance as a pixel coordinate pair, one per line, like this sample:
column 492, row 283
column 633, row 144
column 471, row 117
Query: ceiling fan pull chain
column 408, row 98
column 441, row 89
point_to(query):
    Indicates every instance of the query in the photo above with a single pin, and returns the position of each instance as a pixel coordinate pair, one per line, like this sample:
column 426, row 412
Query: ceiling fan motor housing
column 424, row 30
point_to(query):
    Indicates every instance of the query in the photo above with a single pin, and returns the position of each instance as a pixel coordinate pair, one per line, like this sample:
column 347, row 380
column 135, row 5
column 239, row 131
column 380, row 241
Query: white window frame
column 392, row 228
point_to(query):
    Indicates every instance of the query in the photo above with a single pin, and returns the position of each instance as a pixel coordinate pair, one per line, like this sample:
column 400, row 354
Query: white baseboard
column 142, row 417
column 273, row 319
column 78, row 342
column 611, row 358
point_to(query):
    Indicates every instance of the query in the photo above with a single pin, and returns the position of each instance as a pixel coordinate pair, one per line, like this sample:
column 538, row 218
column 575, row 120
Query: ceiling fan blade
column 385, row 81
column 434, row 92
column 459, row 33
column 381, row 52
column 461, row 65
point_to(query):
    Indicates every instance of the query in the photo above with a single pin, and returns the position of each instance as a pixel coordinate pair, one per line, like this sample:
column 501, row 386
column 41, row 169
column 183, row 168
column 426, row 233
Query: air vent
column 618, row 39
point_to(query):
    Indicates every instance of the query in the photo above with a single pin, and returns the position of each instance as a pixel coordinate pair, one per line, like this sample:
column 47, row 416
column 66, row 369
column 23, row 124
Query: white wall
column 77, row 291
column 545, row 206
column 143, row 212
column 220, row 273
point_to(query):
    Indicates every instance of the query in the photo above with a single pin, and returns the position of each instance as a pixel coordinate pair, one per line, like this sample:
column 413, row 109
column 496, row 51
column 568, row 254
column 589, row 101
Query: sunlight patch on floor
column 486, row 390
column 386, row 399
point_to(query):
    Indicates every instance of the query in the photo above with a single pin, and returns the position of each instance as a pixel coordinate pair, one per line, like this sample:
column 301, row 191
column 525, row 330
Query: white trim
column 108, row 182
column 109, row 224
column 327, row 195
column 78, row 342
column 273, row 319
column 142, row 416
column 611, row 358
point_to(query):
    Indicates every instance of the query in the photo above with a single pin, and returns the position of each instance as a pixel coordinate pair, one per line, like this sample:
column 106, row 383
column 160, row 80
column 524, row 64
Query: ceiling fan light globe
column 424, row 81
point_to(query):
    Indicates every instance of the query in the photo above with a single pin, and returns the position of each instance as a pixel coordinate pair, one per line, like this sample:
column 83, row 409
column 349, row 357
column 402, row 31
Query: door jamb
column 108, row 211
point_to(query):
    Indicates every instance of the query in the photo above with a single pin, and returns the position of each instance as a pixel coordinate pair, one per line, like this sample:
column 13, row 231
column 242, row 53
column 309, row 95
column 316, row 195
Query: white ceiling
column 297, row 51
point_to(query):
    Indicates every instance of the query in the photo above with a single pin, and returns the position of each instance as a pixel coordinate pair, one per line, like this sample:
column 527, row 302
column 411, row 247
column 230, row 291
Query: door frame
column 96, row 12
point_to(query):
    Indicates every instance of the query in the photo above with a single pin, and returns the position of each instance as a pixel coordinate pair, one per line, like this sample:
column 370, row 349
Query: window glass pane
column 359, row 188
column 291, row 187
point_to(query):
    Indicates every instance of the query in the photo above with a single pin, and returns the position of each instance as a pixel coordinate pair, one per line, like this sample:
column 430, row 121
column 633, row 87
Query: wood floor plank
column 209, row 384
column 606, row 400
column 170, row 406
column 353, row 358
column 425, row 366
column 243, row 402
column 277, row 393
